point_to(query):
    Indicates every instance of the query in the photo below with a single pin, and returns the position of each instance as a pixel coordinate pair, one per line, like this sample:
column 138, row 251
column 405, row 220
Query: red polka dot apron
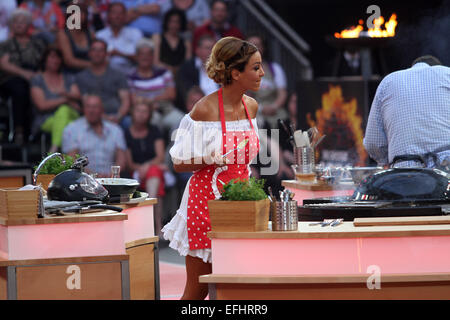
column 207, row 183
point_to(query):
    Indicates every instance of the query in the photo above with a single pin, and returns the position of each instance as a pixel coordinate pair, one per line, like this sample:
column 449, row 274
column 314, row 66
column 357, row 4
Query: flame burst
column 375, row 32
column 335, row 109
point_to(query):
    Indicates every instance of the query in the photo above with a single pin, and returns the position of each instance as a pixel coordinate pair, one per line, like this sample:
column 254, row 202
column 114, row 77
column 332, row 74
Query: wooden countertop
column 71, row 260
column 315, row 186
column 345, row 230
column 104, row 215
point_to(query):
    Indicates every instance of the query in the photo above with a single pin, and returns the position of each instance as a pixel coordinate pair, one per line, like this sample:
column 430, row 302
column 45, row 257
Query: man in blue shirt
column 410, row 115
column 145, row 15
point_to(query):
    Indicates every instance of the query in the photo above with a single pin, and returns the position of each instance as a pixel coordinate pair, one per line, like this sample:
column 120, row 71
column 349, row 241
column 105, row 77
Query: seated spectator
column 144, row 15
column 100, row 140
column 197, row 12
column 171, row 48
column 7, row 7
column 193, row 73
column 120, row 38
column 218, row 27
column 155, row 85
column 110, row 84
column 145, row 156
column 272, row 93
column 20, row 56
column 55, row 96
column 47, row 18
column 75, row 44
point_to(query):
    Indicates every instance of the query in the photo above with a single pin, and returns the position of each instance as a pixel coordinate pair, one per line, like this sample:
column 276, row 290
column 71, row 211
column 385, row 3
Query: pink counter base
column 301, row 195
column 139, row 224
column 331, row 256
column 62, row 240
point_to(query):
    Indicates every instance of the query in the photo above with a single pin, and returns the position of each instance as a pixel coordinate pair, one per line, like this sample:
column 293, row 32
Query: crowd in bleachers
column 137, row 64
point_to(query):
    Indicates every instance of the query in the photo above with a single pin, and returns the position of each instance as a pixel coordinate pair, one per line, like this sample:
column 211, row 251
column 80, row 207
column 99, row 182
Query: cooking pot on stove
column 405, row 184
column 76, row 185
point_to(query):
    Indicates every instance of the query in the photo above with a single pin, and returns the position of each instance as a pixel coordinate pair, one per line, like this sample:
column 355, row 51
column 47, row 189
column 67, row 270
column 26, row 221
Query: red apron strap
column 248, row 116
column 222, row 119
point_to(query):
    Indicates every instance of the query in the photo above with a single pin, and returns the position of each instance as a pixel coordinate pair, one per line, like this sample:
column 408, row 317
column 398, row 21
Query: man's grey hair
column 20, row 13
column 145, row 43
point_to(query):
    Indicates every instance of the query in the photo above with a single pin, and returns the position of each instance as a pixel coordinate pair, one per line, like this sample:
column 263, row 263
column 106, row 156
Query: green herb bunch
column 244, row 190
column 55, row 166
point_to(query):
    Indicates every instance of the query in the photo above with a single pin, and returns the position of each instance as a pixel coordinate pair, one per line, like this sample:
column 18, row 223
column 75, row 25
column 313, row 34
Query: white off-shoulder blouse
column 195, row 139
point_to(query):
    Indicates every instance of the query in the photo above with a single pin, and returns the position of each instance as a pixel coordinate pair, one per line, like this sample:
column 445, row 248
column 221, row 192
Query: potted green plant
column 243, row 206
column 53, row 167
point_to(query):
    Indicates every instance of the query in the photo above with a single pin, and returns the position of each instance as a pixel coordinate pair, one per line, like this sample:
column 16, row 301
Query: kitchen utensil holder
column 304, row 159
column 284, row 215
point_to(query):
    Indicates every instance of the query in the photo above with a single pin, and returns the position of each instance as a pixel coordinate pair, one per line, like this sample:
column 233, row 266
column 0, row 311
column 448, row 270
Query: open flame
column 375, row 32
column 340, row 115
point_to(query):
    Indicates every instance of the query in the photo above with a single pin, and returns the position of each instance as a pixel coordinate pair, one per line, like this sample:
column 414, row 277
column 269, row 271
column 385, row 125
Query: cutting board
column 401, row 221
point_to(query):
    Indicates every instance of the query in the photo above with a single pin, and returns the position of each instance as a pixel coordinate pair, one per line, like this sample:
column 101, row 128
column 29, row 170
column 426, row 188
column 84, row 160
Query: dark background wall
column 423, row 27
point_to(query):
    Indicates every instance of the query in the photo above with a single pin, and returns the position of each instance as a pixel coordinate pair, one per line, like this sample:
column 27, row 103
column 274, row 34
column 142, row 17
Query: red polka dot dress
column 206, row 184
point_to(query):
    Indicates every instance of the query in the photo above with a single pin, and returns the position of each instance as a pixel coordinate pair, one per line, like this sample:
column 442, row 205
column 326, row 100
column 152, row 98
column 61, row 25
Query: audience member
column 19, row 60
column 197, row 12
column 218, row 27
column 272, row 94
column 171, row 48
column 193, row 73
column 7, row 7
column 410, row 115
column 47, row 18
column 120, row 38
column 110, row 84
column 97, row 13
column 100, row 140
column 145, row 156
column 55, row 96
column 154, row 85
column 144, row 15
column 75, row 44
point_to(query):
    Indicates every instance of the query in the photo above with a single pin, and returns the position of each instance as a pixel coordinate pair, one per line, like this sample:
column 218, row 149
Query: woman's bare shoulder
column 205, row 109
column 252, row 106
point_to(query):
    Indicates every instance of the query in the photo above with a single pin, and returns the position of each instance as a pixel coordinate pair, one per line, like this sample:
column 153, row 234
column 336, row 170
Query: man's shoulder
column 78, row 125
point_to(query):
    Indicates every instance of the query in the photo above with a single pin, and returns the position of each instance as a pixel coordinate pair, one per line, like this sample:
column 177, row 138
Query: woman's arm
column 69, row 59
column 44, row 104
column 11, row 68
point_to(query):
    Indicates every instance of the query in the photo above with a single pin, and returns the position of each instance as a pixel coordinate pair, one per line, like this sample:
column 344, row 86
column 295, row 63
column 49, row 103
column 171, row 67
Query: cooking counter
column 258, row 265
column 313, row 190
column 116, row 241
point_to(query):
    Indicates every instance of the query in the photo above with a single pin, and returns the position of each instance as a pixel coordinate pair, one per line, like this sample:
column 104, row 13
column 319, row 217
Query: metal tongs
column 328, row 222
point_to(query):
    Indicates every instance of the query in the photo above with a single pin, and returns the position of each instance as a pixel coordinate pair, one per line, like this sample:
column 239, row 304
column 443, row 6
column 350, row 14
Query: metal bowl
column 119, row 186
column 360, row 173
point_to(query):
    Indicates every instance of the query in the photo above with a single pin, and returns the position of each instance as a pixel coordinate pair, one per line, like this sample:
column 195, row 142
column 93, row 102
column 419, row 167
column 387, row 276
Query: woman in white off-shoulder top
column 216, row 125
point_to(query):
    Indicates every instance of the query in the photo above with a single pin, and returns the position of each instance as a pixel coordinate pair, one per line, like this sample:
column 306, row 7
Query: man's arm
column 145, row 9
column 375, row 140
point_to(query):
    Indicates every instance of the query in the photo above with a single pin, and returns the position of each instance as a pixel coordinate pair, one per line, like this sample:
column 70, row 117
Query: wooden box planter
column 239, row 215
column 19, row 204
column 44, row 180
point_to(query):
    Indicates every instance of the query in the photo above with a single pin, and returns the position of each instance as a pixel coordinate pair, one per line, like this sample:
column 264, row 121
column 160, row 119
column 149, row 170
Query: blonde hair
column 227, row 54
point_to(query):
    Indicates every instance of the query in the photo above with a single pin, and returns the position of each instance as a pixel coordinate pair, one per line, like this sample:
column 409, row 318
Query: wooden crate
column 19, row 204
column 239, row 215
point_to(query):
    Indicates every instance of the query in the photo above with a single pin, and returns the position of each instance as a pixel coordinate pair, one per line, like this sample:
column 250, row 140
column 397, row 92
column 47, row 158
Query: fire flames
column 375, row 32
column 337, row 113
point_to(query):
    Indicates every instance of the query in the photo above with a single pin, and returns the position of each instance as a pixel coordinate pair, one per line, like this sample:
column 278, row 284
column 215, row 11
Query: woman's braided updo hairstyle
column 227, row 54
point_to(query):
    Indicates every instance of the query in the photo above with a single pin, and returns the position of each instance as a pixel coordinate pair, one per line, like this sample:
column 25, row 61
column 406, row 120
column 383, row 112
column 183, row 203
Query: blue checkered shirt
column 410, row 114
